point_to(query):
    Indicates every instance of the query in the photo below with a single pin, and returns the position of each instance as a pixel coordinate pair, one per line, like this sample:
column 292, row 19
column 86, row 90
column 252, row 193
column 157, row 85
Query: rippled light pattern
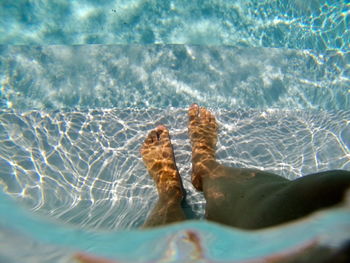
column 92, row 76
column 83, row 82
column 297, row 24
column 84, row 167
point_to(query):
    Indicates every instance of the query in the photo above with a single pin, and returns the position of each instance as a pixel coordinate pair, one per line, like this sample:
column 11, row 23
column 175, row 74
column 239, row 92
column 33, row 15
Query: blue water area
column 95, row 76
column 83, row 82
column 83, row 170
column 297, row 24
column 46, row 241
column 84, row 167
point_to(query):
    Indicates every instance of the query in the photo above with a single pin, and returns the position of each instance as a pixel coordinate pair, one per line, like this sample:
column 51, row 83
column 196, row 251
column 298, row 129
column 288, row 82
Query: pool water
column 316, row 24
column 81, row 84
column 145, row 76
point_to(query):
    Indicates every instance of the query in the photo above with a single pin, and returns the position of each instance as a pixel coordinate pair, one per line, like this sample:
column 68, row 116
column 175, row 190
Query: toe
column 193, row 112
column 203, row 113
column 163, row 133
column 206, row 116
column 211, row 117
column 151, row 138
column 154, row 136
column 148, row 139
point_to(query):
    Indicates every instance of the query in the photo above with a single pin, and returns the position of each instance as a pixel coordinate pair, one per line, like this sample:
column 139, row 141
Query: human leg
column 319, row 190
column 158, row 156
column 249, row 198
column 233, row 195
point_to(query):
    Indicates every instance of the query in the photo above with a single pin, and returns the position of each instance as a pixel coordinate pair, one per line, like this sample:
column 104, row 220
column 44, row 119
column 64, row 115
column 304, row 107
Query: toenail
column 161, row 127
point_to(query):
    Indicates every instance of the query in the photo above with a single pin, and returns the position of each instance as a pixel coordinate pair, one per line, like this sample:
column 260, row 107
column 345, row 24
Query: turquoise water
column 317, row 24
column 47, row 242
column 82, row 82
column 145, row 76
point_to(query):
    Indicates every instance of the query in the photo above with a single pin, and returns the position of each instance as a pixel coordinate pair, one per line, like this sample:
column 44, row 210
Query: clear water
column 73, row 116
column 297, row 24
column 143, row 76
column 90, row 159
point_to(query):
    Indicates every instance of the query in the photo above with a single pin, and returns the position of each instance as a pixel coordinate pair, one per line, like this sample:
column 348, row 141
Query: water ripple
column 84, row 167
column 94, row 76
column 296, row 24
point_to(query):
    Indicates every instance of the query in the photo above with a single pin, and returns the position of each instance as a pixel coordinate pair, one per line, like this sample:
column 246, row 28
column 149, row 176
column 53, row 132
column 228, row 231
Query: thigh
column 268, row 200
column 237, row 196
column 320, row 190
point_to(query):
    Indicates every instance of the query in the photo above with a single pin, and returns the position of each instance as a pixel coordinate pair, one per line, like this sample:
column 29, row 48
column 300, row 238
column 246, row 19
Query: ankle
column 169, row 183
column 205, row 166
column 206, row 156
column 167, row 176
column 170, row 193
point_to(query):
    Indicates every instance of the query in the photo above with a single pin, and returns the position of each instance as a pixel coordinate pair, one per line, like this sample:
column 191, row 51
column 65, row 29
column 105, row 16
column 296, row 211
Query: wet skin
column 243, row 198
column 158, row 156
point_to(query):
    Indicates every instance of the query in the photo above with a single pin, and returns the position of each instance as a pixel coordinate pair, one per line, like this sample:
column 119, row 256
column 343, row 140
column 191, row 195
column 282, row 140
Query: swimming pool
column 82, row 83
column 317, row 24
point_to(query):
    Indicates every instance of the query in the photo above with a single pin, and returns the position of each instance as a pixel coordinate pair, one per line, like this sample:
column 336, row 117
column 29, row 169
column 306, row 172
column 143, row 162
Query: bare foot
column 202, row 128
column 158, row 156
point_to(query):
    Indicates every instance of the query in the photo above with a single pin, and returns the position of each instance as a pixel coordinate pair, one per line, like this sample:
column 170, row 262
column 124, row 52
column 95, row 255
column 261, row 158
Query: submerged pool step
column 84, row 167
column 143, row 76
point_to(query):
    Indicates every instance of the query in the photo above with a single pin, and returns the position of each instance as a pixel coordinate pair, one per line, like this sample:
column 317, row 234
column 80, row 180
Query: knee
column 332, row 186
column 335, row 174
column 338, row 179
column 328, row 188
